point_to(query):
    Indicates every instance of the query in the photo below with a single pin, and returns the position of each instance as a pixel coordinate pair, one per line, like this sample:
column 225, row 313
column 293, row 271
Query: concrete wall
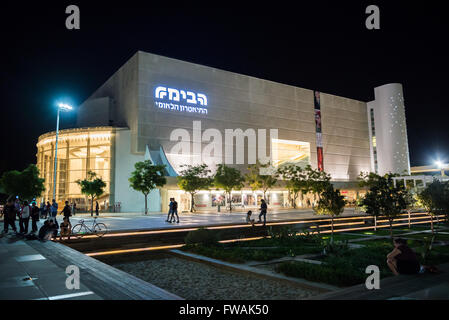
column 131, row 200
column 239, row 101
column 234, row 101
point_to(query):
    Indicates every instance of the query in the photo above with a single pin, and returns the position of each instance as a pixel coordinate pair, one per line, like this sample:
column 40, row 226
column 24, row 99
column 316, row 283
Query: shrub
column 202, row 236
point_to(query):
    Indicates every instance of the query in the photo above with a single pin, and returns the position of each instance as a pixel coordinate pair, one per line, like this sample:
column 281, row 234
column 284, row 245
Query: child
column 248, row 218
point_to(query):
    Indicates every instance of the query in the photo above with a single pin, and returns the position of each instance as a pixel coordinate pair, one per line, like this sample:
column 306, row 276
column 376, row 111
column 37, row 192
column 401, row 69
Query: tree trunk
column 92, row 207
column 192, row 202
column 375, row 224
column 431, row 223
column 391, row 228
column 230, row 202
column 332, row 229
column 409, row 223
column 146, row 210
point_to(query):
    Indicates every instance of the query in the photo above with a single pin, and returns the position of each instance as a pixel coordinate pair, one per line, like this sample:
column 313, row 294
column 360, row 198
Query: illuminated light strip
column 102, row 253
column 90, row 236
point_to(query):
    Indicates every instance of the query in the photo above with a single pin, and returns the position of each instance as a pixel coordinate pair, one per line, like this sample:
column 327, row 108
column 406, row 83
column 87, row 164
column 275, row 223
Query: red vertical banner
column 318, row 126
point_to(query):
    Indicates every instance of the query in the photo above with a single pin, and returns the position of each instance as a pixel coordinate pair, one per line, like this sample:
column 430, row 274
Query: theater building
column 175, row 112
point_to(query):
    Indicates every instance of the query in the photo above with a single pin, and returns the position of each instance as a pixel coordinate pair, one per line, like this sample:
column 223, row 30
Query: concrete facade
column 234, row 101
column 158, row 104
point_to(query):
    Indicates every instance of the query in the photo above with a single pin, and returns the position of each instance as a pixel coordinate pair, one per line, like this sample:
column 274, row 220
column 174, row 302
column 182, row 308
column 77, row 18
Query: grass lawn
column 348, row 268
column 439, row 236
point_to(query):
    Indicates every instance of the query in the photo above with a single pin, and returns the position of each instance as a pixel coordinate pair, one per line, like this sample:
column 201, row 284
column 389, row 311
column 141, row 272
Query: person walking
column 97, row 208
column 263, row 211
column 34, row 217
column 174, row 212
column 170, row 210
column 9, row 216
column 24, row 218
column 67, row 211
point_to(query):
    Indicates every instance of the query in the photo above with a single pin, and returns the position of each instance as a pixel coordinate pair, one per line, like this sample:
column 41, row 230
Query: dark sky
column 323, row 46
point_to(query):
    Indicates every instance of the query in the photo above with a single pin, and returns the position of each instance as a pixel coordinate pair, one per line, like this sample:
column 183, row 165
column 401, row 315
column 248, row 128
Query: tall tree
column 26, row 184
column 259, row 177
column 92, row 187
column 383, row 197
column 193, row 179
column 228, row 179
column 147, row 177
column 331, row 203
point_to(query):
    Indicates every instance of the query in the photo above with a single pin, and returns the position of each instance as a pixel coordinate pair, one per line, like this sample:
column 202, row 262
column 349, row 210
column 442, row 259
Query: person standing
column 263, row 211
column 54, row 211
column 174, row 211
column 67, row 211
column 34, row 217
column 170, row 210
column 74, row 208
column 9, row 216
column 47, row 209
column 42, row 209
column 97, row 208
column 25, row 218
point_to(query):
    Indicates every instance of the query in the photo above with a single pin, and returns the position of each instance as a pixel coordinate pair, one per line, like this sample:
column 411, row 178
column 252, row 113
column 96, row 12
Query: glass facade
column 79, row 151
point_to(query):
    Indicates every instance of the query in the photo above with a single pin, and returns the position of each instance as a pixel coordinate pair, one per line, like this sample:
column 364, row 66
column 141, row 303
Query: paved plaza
column 35, row 270
column 133, row 221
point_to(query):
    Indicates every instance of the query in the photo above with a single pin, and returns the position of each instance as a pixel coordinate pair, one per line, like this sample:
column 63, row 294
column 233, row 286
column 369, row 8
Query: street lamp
column 63, row 107
column 440, row 166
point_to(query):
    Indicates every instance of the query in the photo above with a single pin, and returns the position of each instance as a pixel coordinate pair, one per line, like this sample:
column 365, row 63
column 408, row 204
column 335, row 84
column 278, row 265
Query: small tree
column 294, row 178
column 147, row 177
column 193, row 179
column 228, row 179
column 92, row 187
column 331, row 203
column 26, row 184
column 435, row 199
column 383, row 197
column 258, row 179
column 317, row 181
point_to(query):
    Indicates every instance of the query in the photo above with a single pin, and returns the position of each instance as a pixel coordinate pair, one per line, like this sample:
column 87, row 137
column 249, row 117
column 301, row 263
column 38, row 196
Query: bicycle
column 82, row 229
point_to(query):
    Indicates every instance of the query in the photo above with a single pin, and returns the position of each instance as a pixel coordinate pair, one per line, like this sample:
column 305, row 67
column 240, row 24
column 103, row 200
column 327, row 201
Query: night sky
column 321, row 46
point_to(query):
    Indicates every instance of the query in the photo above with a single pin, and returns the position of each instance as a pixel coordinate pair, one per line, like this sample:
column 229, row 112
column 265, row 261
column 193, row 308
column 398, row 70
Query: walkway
column 133, row 221
column 34, row 270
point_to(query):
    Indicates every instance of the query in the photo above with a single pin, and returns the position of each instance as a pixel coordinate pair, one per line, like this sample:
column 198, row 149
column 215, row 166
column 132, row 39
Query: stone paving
column 35, row 270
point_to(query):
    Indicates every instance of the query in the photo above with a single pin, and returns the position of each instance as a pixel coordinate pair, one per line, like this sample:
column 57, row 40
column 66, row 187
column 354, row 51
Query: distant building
column 170, row 111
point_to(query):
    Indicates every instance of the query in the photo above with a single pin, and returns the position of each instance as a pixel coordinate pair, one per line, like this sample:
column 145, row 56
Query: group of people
column 30, row 211
column 172, row 211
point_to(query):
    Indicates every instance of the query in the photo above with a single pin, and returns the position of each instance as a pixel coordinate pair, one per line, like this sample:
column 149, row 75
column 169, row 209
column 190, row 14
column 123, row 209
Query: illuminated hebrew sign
column 180, row 100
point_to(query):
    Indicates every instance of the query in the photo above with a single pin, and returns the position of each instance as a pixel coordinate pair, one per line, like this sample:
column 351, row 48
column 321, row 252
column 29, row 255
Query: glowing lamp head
column 439, row 164
column 64, row 106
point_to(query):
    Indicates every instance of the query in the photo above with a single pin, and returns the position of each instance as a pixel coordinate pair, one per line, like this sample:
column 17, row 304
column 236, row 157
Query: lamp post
column 440, row 166
column 64, row 107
